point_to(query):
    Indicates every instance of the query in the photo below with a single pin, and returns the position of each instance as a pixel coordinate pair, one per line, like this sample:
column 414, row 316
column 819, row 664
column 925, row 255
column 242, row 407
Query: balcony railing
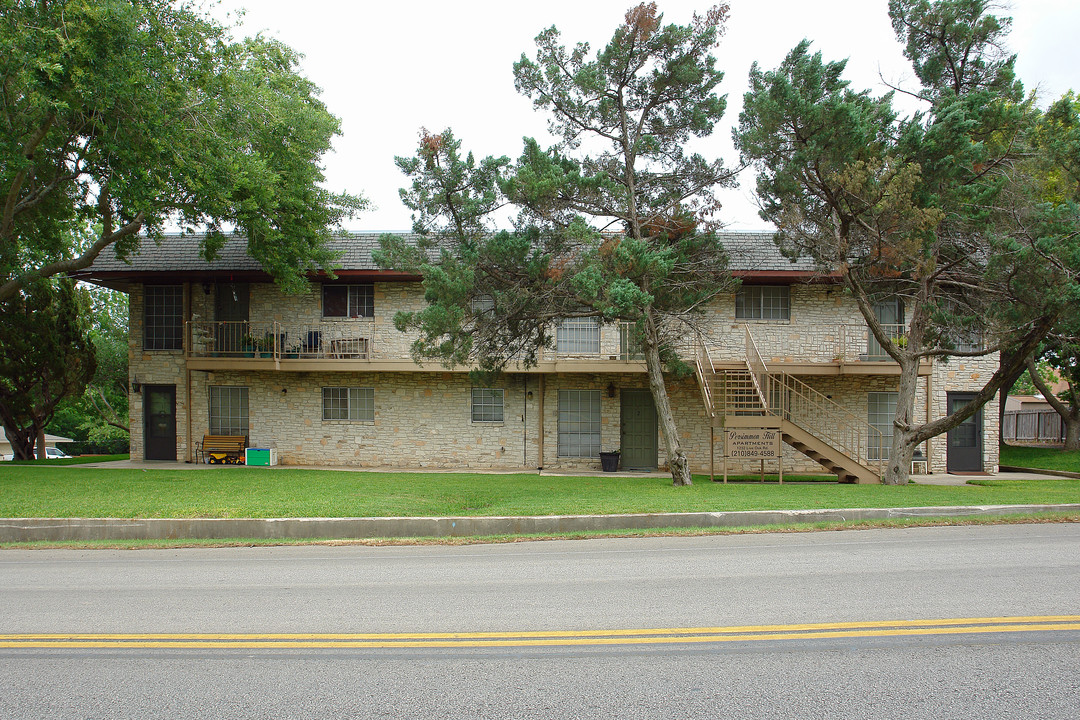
column 335, row 340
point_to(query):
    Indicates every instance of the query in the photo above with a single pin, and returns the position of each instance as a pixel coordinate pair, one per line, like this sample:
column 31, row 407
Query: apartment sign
column 749, row 443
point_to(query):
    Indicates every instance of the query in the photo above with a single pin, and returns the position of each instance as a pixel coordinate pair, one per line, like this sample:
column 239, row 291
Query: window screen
column 163, row 317
column 228, row 410
column 487, row 405
column 763, row 302
column 348, row 403
column 881, row 410
column 348, row 301
column 579, row 423
column 578, row 336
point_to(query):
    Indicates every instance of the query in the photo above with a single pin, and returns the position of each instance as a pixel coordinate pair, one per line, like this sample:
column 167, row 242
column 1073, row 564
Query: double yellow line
column 645, row 636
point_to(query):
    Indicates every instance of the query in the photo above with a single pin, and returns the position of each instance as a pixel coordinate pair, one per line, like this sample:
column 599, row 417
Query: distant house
column 326, row 379
column 7, row 453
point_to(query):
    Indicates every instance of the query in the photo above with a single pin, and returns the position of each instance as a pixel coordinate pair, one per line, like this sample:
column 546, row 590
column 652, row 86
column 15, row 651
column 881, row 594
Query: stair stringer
column 846, row 469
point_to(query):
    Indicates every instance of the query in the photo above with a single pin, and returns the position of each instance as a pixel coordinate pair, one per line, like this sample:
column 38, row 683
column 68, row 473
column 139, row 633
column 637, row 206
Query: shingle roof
column 748, row 251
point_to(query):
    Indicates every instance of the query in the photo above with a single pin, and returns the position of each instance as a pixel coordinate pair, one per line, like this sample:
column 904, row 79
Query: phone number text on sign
column 753, row 443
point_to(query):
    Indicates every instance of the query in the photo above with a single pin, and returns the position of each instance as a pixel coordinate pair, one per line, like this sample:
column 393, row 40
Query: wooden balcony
column 363, row 344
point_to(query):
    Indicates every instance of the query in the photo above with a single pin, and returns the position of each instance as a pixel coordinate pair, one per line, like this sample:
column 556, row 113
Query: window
column 763, row 302
column 578, row 336
column 228, row 410
column 579, row 423
column 163, row 317
column 483, row 306
column 347, row 301
column 348, row 403
column 881, row 410
column 487, row 405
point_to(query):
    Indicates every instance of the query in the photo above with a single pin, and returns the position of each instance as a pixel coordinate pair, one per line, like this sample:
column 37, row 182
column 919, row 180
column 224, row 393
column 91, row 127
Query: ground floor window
column 228, row 410
column 487, row 405
column 881, row 410
column 348, row 403
column 579, row 423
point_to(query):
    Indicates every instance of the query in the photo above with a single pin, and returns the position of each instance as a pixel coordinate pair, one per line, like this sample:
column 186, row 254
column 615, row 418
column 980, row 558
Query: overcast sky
column 389, row 68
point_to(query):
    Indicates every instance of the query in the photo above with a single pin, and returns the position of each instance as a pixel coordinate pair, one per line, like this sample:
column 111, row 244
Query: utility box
column 261, row 456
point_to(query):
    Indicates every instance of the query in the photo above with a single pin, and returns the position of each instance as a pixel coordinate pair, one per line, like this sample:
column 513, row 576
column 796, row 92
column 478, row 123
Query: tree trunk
column 677, row 463
column 1072, row 432
column 898, row 471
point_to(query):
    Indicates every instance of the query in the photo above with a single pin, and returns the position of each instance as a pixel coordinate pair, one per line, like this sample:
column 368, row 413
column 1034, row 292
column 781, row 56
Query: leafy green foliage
column 935, row 208
column 47, row 354
column 613, row 221
column 128, row 115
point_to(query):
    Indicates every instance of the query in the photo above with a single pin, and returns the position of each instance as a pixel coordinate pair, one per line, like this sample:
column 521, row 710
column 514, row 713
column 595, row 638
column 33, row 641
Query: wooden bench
column 224, row 449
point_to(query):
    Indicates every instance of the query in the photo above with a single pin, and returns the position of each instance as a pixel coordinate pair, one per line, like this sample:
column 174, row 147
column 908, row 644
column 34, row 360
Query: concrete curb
column 61, row 529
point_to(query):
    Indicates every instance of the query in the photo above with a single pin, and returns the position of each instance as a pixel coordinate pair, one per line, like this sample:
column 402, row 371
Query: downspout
column 540, row 426
column 187, row 372
column 524, row 420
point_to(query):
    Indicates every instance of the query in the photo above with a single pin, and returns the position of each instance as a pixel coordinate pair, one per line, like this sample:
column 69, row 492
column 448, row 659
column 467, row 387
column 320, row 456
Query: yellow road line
column 641, row 636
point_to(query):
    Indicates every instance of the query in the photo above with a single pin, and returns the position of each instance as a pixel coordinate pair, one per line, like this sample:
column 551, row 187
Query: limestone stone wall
column 423, row 419
column 824, row 325
column 965, row 375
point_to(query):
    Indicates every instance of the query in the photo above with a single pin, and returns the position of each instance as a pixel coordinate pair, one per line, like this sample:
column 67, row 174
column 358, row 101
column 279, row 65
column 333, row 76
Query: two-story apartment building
column 325, row 378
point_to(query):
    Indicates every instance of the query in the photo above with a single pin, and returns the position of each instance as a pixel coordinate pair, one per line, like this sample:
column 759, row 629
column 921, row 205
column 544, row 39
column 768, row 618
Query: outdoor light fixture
column 136, row 386
column 206, row 288
column 611, row 390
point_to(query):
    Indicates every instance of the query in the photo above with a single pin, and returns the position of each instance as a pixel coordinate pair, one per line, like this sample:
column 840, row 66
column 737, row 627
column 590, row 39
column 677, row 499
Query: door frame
column 654, row 447
column 955, row 462
column 167, row 452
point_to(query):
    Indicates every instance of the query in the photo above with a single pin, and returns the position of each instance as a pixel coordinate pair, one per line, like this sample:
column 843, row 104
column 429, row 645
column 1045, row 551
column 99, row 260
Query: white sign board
column 747, row 443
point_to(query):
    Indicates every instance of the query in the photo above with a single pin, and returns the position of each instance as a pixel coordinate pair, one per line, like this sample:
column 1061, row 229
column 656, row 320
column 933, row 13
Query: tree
column 47, row 355
column 613, row 221
column 99, row 416
column 916, row 208
column 134, row 114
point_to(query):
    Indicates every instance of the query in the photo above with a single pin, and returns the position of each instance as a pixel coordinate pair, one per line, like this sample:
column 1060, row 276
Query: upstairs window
column 578, row 336
column 763, row 302
column 348, row 301
column 163, row 317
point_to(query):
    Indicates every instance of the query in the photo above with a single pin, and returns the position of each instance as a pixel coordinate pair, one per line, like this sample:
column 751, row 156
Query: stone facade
column 424, row 418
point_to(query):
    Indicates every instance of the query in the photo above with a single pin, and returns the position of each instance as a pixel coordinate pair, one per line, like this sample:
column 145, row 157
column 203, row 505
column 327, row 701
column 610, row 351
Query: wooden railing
column 344, row 339
column 758, row 390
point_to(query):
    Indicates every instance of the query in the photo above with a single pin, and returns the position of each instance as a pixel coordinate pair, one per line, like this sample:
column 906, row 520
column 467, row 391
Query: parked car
column 51, row 453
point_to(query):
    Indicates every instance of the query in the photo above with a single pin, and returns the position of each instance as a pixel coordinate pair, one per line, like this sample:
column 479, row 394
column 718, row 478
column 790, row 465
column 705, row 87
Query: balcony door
column 231, row 302
column 889, row 313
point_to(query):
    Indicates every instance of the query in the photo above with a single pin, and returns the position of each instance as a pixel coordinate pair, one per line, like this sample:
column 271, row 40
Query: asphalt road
column 642, row 628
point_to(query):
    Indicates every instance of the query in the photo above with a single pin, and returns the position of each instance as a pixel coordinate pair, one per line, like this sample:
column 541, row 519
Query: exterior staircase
column 809, row 421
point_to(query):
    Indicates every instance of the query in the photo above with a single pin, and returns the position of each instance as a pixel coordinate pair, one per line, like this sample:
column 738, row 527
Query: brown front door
column 159, row 413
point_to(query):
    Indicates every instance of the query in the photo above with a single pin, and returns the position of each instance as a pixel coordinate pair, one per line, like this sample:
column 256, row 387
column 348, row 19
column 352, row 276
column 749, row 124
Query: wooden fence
column 1033, row 426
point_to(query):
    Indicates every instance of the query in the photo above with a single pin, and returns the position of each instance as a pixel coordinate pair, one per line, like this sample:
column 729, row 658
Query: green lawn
column 284, row 492
column 1040, row 457
column 77, row 460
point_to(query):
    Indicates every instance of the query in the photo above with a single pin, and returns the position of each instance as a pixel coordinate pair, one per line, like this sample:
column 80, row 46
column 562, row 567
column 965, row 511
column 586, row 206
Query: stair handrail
column 759, row 371
column 702, row 356
column 816, row 412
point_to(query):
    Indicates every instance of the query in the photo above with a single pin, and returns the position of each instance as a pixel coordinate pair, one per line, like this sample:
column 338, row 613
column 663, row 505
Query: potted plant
column 609, row 461
column 248, row 345
column 266, row 346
